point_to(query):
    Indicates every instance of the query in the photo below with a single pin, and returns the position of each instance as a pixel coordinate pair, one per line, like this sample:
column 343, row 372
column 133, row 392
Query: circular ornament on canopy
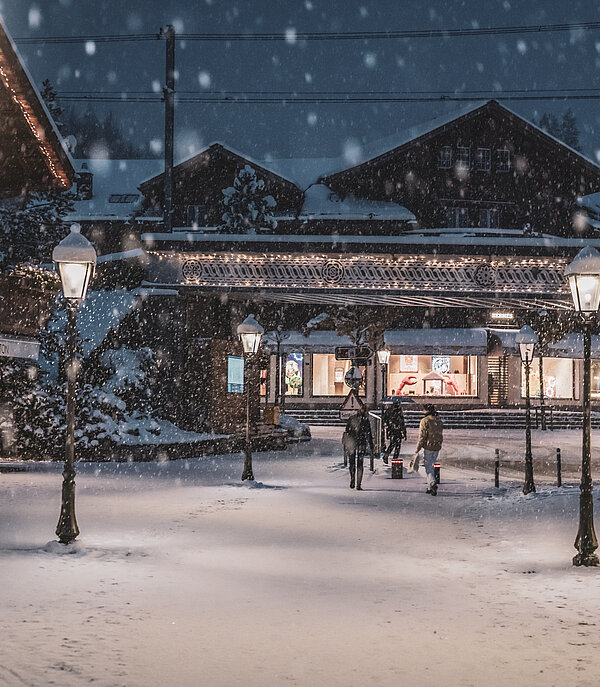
column 333, row 272
column 191, row 270
column 485, row 276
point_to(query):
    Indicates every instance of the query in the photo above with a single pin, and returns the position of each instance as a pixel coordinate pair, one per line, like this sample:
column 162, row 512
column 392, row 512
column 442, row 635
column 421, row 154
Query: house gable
column 200, row 180
column 31, row 150
column 487, row 167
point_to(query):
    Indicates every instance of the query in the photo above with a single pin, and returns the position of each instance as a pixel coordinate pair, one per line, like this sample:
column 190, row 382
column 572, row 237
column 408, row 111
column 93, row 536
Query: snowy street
column 185, row 576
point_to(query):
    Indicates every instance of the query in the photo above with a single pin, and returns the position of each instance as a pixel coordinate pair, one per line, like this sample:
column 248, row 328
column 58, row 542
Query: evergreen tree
column 29, row 233
column 550, row 124
column 247, row 209
column 49, row 96
column 570, row 130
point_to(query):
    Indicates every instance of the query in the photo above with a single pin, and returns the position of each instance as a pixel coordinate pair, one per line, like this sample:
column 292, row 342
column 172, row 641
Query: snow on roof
column 439, row 237
column 374, row 149
column 321, row 341
column 570, row 346
column 320, row 202
column 118, row 179
column 301, row 169
column 433, row 341
column 101, row 312
column 590, row 202
column 359, row 155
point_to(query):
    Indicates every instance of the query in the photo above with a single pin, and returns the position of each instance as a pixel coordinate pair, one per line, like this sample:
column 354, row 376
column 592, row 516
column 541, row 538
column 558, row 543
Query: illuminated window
column 328, row 375
column 235, row 374
column 432, row 375
column 558, row 378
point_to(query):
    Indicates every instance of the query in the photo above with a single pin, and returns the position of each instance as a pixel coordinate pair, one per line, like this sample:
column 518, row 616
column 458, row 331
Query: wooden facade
column 486, row 160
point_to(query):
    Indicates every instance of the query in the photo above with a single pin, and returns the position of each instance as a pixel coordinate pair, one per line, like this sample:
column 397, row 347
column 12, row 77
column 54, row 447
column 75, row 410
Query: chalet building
column 32, row 158
column 450, row 235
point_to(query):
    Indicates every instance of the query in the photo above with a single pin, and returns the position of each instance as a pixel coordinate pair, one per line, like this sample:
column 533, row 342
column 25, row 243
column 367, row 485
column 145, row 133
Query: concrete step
column 467, row 419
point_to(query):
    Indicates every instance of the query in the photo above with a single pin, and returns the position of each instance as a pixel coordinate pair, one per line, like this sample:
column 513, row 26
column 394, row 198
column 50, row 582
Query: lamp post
column 584, row 279
column 527, row 339
column 383, row 355
column 250, row 333
column 76, row 260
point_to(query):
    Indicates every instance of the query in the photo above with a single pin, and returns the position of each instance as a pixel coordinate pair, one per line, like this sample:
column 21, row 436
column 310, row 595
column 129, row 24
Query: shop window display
column 329, row 373
column 294, row 374
column 558, row 378
column 432, row 375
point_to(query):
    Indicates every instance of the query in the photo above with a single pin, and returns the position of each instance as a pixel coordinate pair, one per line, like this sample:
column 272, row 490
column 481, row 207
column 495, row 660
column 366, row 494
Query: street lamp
column 250, row 333
column 527, row 339
column 383, row 355
column 584, row 279
column 76, row 260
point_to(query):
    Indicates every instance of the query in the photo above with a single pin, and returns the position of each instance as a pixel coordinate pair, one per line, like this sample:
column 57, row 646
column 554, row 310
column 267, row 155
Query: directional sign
column 351, row 405
column 353, row 352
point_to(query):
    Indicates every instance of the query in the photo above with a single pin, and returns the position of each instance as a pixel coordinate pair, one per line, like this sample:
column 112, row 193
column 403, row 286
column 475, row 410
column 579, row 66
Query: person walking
column 358, row 434
column 395, row 429
column 430, row 440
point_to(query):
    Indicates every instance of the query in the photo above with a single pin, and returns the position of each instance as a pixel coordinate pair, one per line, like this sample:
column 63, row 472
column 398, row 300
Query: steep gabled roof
column 217, row 149
column 404, row 141
column 34, row 125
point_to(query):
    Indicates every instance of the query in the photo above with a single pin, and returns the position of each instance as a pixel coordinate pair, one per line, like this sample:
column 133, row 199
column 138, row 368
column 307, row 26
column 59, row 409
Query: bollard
column 436, row 472
column 558, row 468
column 497, row 469
column 397, row 464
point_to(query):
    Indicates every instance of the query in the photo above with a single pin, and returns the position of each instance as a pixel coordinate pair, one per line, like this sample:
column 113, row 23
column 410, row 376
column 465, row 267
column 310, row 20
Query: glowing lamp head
column 584, row 279
column 76, row 260
column 527, row 339
column 250, row 333
column 383, row 355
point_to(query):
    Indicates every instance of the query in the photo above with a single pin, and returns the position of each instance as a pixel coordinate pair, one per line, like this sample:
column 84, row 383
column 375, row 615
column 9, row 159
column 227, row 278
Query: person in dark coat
column 395, row 429
column 358, row 433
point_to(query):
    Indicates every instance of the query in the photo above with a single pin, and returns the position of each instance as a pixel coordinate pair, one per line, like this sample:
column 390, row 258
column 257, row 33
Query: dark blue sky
column 546, row 60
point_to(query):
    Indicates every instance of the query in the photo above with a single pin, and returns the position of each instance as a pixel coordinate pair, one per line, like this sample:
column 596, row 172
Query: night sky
column 541, row 61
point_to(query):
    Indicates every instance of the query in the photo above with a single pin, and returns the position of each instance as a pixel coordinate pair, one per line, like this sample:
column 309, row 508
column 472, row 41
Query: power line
column 291, row 36
column 290, row 100
column 331, row 97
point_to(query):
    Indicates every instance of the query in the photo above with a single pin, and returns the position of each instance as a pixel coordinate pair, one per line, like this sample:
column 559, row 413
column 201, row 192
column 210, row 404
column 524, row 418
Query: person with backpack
column 359, row 438
column 430, row 440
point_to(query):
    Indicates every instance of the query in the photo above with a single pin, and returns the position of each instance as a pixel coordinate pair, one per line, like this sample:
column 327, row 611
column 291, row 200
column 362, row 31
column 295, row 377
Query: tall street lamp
column 76, row 260
column 527, row 339
column 250, row 333
column 584, row 279
column 383, row 355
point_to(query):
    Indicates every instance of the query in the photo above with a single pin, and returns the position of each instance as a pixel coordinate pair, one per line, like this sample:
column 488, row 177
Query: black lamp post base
column 587, row 559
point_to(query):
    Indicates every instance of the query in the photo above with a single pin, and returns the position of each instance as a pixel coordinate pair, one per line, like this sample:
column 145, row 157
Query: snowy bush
column 247, row 209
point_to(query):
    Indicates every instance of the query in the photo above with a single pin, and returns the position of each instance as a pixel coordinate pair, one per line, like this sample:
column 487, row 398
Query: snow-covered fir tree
column 112, row 396
column 247, row 208
column 31, row 227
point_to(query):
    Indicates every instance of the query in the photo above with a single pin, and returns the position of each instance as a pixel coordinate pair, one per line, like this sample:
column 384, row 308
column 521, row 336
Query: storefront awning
column 502, row 341
column 437, row 341
column 315, row 342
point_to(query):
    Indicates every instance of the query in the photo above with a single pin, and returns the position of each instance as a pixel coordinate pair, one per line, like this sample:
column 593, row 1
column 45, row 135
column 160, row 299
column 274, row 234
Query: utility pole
column 169, row 97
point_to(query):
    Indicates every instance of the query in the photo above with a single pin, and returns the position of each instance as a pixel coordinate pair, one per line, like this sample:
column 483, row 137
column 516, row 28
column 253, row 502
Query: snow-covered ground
column 185, row 576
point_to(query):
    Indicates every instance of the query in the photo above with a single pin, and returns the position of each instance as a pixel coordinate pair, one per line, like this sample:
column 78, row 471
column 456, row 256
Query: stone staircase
column 464, row 419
